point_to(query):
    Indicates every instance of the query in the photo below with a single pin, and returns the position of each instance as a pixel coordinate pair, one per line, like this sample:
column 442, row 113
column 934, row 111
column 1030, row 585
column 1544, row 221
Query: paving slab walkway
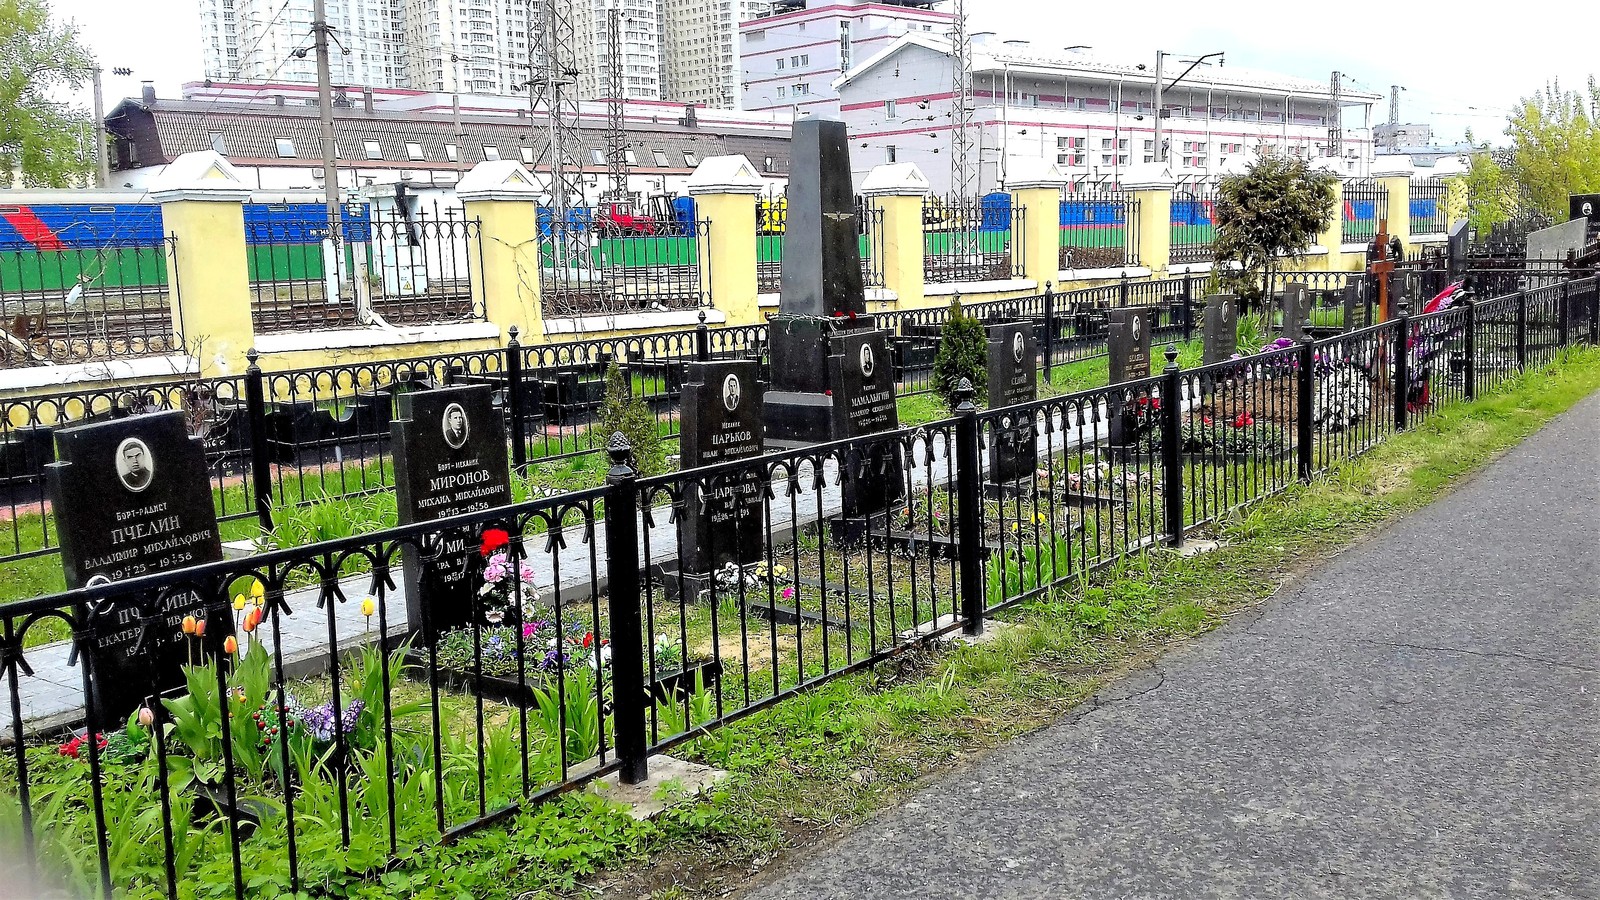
column 1418, row 718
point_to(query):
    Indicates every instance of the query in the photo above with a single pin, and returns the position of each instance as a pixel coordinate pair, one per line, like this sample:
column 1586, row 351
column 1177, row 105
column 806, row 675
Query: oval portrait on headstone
column 1018, row 344
column 867, row 362
column 455, row 426
column 730, row 393
column 136, row 468
column 1135, row 321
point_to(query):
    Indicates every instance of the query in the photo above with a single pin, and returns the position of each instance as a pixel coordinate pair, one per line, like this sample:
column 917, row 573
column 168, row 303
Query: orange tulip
column 188, row 625
column 231, row 645
column 200, row 628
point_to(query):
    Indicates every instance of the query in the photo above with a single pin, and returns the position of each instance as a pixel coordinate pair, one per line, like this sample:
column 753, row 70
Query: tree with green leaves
column 963, row 353
column 1492, row 195
column 44, row 142
column 1555, row 146
column 621, row 411
column 1276, row 208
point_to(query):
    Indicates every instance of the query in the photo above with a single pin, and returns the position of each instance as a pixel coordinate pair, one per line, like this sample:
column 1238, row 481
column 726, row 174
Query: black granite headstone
column 721, row 422
column 1220, row 330
column 864, row 404
column 1456, row 248
column 1013, row 379
column 132, row 497
column 821, row 243
column 449, row 459
column 1355, row 305
column 1296, row 311
column 1128, row 343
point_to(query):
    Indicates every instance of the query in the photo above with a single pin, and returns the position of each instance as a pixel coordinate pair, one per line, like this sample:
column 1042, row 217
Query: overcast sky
column 1459, row 69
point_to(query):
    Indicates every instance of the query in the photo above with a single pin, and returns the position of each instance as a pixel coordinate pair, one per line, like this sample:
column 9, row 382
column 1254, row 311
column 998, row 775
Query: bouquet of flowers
column 501, row 578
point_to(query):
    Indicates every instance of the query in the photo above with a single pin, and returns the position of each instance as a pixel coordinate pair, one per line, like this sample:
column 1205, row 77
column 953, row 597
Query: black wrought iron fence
column 1099, row 230
column 1193, row 222
column 364, row 725
column 1366, row 204
column 869, row 216
column 971, row 239
column 76, row 302
column 1427, row 206
column 589, row 269
column 772, row 221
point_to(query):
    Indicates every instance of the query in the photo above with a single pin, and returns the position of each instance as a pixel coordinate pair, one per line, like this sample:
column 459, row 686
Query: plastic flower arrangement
column 501, row 577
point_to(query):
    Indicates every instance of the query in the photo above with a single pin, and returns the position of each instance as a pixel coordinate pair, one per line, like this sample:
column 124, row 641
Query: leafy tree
column 42, row 140
column 1556, row 146
column 621, row 411
column 1278, row 207
column 1491, row 193
column 963, row 353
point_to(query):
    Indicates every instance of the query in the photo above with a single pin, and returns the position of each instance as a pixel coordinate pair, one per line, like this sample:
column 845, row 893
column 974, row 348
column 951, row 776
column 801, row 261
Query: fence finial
column 513, row 332
column 252, row 355
column 963, row 394
column 621, row 452
column 1172, row 357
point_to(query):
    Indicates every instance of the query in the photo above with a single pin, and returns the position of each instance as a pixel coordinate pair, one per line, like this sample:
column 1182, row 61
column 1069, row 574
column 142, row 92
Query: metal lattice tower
column 961, row 174
column 1336, row 119
column 616, row 132
column 553, row 92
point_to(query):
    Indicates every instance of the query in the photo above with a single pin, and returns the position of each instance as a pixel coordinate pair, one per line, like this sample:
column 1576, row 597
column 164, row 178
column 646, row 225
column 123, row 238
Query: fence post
column 1563, row 313
column 1402, row 364
column 1049, row 331
column 255, row 402
column 1188, row 307
column 1471, row 371
column 1594, row 309
column 1171, row 448
column 702, row 340
column 519, row 446
column 1122, row 289
column 1522, row 330
column 1302, row 422
column 969, row 509
column 622, row 591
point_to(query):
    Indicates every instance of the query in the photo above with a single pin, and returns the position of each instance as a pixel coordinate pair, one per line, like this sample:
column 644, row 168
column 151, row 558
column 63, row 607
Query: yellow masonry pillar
column 1151, row 186
column 202, row 208
column 725, row 189
column 500, row 195
column 1394, row 175
column 1035, row 185
column 898, row 189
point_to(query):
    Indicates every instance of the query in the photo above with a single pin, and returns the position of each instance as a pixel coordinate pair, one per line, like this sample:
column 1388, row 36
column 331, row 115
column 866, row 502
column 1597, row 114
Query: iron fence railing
column 1193, row 222
column 1099, row 230
column 971, row 239
column 772, row 220
column 1366, row 204
column 588, row 270
column 393, row 265
column 1427, row 209
column 363, row 730
column 80, row 301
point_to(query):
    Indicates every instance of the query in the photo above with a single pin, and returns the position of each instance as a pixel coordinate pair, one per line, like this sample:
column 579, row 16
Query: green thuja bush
column 621, row 411
column 963, row 353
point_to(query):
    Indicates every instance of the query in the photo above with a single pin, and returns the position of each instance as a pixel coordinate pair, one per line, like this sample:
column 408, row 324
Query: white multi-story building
column 256, row 40
column 472, row 46
column 789, row 58
column 640, row 40
column 700, row 49
column 1090, row 117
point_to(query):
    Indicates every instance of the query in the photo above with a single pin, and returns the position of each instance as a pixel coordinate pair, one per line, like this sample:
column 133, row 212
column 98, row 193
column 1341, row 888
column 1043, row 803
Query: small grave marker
column 721, row 422
column 1013, row 379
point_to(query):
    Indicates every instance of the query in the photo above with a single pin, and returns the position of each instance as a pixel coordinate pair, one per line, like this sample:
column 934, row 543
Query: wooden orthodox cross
column 1380, row 268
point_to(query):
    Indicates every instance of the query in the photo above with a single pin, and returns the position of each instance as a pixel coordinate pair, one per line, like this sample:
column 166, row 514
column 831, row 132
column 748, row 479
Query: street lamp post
column 1161, row 87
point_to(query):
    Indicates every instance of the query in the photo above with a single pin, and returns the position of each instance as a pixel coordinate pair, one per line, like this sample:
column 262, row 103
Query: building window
column 780, row 64
column 844, row 46
column 452, row 152
column 597, row 155
column 1148, row 145
column 372, row 149
column 527, row 156
column 286, row 148
column 414, row 151
column 1105, row 144
column 1122, row 160
column 1105, row 159
column 217, row 144
column 801, row 89
column 782, row 92
column 890, row 157
column 660, row 156
column 631, row 157
column 690, row 159
column 491, row 152
column 889, row 109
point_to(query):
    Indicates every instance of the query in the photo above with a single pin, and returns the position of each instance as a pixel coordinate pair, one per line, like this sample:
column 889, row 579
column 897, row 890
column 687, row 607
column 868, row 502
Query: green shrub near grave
column 963, row 353
column 621, row 411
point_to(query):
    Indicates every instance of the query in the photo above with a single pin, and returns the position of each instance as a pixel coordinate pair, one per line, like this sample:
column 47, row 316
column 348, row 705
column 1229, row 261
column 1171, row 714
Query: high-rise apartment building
column 700, row 49
column 472, row 46
column 256, row 40
column 640, row 45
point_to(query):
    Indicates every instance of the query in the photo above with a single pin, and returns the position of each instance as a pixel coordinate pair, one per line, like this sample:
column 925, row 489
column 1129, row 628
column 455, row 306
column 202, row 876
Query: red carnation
column 493, row 540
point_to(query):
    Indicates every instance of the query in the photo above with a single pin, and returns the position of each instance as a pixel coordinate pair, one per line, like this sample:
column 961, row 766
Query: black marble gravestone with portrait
column 449, row 459
column 721, row 422
column 1220, row 329
column 132, row 497
column 1013, row 379
column 824, row 385
column 1128, row 353
column 1355, row 304
column 1296, row 312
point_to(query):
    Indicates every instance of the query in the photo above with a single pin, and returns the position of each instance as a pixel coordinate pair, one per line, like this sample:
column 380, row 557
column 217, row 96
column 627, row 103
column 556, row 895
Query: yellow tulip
column 188, row 625
column 257, row 591
column 368, row 607
column 238, row 603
